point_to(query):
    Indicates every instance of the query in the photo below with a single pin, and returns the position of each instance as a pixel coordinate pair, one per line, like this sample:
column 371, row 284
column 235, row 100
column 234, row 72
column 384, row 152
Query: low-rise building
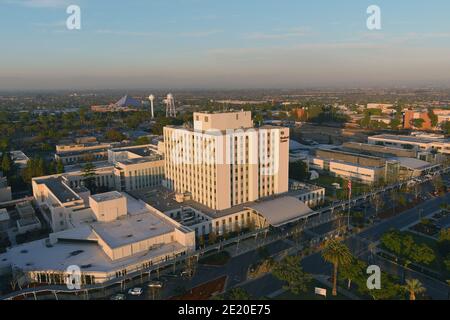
column 5, row 190
column 410, row 117
column 347, row 170
column 204, row 220
column 384, row 107
column 82, row 152
column 369, row 163
column 443, row 115
column 19, row 158
column 379, row 150
column 428, row 143
column 124, row 235
column 129, row 169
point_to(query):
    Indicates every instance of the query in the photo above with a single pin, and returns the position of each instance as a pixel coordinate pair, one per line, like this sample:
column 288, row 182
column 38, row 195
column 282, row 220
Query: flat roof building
column 106, row 249
column 224, row 161
column 416, row 142
column 82, row 152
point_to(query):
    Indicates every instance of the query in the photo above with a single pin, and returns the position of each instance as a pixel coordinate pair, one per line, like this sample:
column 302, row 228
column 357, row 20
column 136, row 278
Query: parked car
column 119, row 296
column 135, row 291
column 185, row 274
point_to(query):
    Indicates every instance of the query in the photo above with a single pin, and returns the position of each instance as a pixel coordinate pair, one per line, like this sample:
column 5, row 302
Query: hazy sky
column 222, row 44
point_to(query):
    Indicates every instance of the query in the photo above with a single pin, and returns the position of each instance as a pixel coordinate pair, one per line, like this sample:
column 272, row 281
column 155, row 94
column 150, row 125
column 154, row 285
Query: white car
column 135, row 291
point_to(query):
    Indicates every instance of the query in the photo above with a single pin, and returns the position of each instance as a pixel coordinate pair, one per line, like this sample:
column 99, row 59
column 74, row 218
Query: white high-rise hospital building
column 224, row 161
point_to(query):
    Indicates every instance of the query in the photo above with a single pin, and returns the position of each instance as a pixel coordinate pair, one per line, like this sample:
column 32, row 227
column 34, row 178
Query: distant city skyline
column 200, row 44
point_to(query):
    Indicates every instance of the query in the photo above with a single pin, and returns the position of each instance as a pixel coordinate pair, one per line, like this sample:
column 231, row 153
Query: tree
column 201, row 241
column 290, row 271
column 6, row 164
column 389, row 289
column 4, row 144
column 404, row 247
column 395, row 123
column 447, row 265
column 352, row 271
column 444, row 242
column 337, row 254
column 418, row 123
column 402, row 200
column 446, row 127
column 298, row 170
column 437, row 183
column 212, row 237
column 142, row 141
column 258, row 119
column 414, row 287
column 89, row 176
column 422, row 254
column 40, row 167
column 394, row 199
column 59, row 166
column 51, row 168
column 35, row 168
column 238, row 294
column 433, row 118
column 114, row 135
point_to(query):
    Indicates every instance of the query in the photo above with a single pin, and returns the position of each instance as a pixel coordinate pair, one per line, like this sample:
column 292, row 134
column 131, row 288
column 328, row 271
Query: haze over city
column 222, row 44
column 206, row 152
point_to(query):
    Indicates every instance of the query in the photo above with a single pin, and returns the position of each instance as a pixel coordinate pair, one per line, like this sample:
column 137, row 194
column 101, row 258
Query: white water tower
column 152, row 99
column 170, row 106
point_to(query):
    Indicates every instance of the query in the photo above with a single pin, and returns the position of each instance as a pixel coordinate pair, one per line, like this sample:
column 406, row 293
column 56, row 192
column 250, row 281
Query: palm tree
column 414, row 287
column 338, row 254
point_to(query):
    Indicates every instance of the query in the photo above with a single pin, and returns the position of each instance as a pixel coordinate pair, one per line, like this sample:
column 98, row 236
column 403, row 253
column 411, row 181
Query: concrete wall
column 223, row 121
column 109, row 210
column 351, row 158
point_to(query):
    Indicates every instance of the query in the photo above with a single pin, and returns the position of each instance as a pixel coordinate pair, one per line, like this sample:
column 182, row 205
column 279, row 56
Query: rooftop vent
column 76, row 253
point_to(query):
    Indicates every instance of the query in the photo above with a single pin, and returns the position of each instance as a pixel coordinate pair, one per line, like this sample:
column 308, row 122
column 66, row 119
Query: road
column 359, row 246
column 236, row 269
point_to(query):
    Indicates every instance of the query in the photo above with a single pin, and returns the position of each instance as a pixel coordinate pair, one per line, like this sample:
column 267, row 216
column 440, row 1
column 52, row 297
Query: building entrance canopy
column 283, row 210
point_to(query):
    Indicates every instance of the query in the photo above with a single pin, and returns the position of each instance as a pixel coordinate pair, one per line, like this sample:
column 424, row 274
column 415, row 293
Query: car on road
column 135, row 291
column 186, row 274
column 119, row 296
column 156, row 284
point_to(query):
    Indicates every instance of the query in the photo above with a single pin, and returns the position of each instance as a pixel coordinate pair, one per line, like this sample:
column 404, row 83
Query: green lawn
column 309, row 295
